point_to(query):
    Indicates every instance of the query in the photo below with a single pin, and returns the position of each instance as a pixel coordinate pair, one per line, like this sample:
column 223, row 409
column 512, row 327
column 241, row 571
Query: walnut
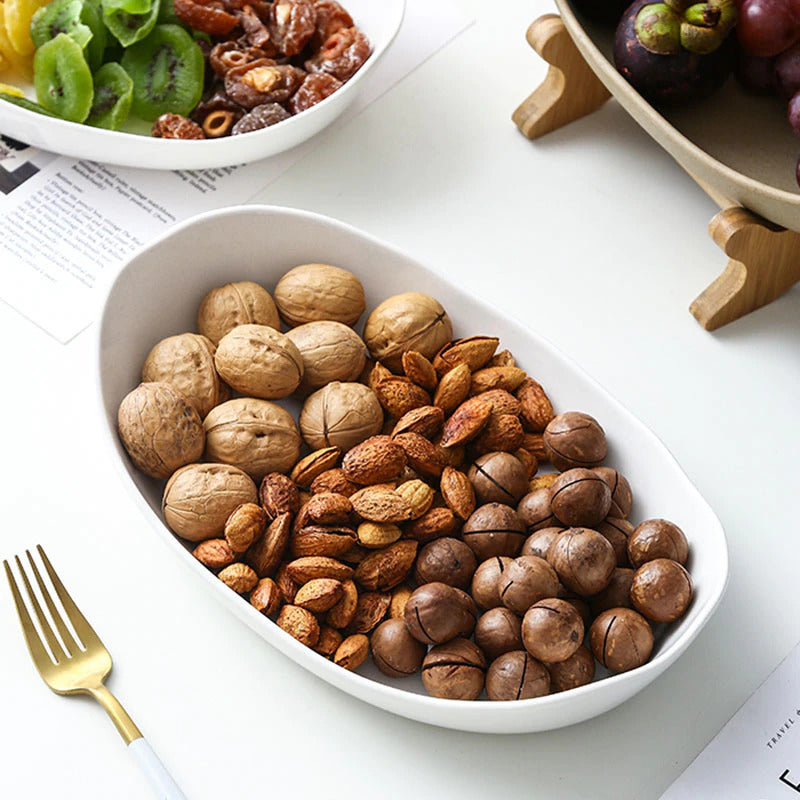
column 340, row 414
column 410, row 321
column 240, row 303
column 186, row 362
column 160, row 430
column 255, row 435
column 259, row 361
column 314, row 292
column 331, row 351
column 199, row 498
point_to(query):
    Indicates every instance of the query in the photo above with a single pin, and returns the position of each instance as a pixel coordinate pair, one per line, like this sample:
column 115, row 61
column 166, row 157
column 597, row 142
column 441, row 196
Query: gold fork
column 71, row 667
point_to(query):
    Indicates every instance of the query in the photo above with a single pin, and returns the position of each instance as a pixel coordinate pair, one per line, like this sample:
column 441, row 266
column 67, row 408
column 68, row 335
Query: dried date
column 206, row 17
column 260, row 117
column 174, row 126
column 291, row 24
column 342, row 55
column 314, row 88
column 331, row 17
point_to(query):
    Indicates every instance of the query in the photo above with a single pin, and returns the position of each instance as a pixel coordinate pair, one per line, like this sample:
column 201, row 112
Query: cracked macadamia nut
column 657, row 538
column 525, row 581
column 239, row 303
column 436, row 613
column 516, row 676
column 498, row 477
column 552, row 630
column 456, row 670
column 580, row 497
column 258, row 361
column 395, row 651
column 485, row 581
column 186, row 361
column 331, row 351
column 255, row 435
column 583, row 559
column 409, row 321
column 621, row 495
column 621, row 639
column 314, row 292
column 159, row 429
column 447, row 560
column 574, row 439
column 535, row 509
column 199, row 498
column 498, row 631
column 493, row 529
column 340, row 415
column 661, row 590
column 577, row 670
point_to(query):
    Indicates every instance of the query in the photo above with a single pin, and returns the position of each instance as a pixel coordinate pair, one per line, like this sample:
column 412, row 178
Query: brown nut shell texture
column 314, row 292
column 331, row 351
column 255, row 435
column 199, row 498
column 341, row 415
column 239, row 303
column 409, row 321
column 186, row 361
column 258, row 361
column 159, row 429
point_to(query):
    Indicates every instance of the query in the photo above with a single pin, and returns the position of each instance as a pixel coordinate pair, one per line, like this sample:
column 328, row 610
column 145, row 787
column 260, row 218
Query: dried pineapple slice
column 18, row 14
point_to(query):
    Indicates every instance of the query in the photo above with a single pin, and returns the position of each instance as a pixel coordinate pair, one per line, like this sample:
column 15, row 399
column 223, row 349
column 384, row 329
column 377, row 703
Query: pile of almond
column 330, row 550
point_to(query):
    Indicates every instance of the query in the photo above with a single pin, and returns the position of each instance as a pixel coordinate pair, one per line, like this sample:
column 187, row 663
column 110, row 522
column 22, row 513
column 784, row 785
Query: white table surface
column 596, row 239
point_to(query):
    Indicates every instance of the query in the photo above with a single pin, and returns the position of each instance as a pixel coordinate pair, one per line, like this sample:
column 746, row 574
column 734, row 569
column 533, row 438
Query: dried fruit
column 342, row 55
column 316, row 86
column 292, row 24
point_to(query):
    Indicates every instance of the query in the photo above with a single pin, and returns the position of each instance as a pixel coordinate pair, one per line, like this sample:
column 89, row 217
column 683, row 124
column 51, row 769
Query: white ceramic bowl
column 379, row 21
column 157, row 295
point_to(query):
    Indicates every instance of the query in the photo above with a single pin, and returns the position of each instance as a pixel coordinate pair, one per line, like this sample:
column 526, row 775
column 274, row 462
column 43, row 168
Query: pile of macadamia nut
column 409, row 512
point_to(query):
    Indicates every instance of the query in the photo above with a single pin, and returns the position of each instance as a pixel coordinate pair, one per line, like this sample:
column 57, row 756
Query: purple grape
column 787, row 72
column 755, row 73
column 793, row 113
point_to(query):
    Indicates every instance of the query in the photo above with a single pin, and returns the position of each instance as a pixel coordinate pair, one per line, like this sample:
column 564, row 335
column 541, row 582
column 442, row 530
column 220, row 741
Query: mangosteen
column 676, row 52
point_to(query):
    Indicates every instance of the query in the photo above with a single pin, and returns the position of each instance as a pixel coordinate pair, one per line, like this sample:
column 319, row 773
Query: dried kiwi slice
column 129, row 26
column 79, row 19
column 63, row 79
column 167, row 69
column 113, row 94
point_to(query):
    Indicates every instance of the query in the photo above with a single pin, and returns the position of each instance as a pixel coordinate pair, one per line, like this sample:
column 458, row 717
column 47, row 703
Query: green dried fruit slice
column 23, row 102
column 63, row 79
column 167, row 69
column 79, row 19
column 130, row 27
column 113, row 94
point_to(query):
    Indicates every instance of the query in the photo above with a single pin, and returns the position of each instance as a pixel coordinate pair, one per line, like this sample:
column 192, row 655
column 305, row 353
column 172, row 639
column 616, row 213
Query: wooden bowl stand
column 764, row 259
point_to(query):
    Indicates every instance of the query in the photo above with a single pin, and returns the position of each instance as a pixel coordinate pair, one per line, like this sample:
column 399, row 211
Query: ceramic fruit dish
column 149, row 302
column 134, row 147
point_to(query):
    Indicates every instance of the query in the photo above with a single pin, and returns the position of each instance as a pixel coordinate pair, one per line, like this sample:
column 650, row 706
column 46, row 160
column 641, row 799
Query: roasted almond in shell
column 265, row 555
column 371, row 608
column 342, row 614
column 375, row 460
column 474, row 351
column 385, row 569
column 419, row 370
column 433, row 524
column 466, row 422
column 398, row 395
column 381, row 505
column 418, row 495
column 502, row 402
column 508, row 378
column 322, row 540
column 308, row 568
column 266, row 597
column 300, row 623
column 422, row 456
column 457, row 492
column 214, row 553
column 427, row 421
column 334, row 480
column 375, row 535
column 502, row 432
column 352, row 652
column 328, row 642
column 244, row 526
column 278, row 495
column 319, row 595
column 536, row 409
column 313, row 465
column 327, row 508
column 453, row 388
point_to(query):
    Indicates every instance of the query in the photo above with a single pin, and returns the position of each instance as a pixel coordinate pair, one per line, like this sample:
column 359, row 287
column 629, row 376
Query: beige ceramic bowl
column 740, row 146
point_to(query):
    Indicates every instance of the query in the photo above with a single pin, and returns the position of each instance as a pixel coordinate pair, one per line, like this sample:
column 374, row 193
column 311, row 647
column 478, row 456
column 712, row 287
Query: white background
column 595, row 238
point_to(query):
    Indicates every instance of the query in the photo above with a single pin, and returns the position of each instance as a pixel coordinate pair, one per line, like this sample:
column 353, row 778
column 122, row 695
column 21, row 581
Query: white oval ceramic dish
column 379, row 21
column 157, row 294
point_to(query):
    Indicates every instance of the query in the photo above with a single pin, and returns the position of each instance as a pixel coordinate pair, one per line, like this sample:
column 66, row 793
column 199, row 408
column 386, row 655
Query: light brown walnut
column 160, row 430
column 240, row 303
column 313, row 292
column 331, row 351
column 255, row 435
column 340, row 414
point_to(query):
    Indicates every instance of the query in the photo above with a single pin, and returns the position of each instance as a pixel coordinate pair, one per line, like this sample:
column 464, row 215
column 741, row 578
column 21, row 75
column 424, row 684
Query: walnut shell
column 160, row 430
column 340, row 414
column 199, row 498
column 331, row 351
column 314, row 292
column 259, row 361
column 187, row 362
column 255, row 435
column 410, row 321
column 241, row 303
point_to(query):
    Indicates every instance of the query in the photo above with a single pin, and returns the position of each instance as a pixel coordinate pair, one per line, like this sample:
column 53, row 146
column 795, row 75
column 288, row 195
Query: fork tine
column 39, row 655
column 66, row 637
column 55, row 648
column 82, row 627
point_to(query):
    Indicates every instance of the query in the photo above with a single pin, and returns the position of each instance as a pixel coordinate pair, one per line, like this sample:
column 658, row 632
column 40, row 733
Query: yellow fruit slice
column 18, row 15
column 14, row 63
column 7, row 88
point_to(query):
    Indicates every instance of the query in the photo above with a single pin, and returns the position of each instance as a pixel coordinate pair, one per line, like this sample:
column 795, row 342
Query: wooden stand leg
column 764, row 263
column 569, row 91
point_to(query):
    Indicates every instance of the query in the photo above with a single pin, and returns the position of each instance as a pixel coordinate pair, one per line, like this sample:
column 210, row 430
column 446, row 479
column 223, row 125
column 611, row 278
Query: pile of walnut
column 417, row 501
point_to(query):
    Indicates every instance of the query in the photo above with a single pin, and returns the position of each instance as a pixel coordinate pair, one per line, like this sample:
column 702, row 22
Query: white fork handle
column 160, row 780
